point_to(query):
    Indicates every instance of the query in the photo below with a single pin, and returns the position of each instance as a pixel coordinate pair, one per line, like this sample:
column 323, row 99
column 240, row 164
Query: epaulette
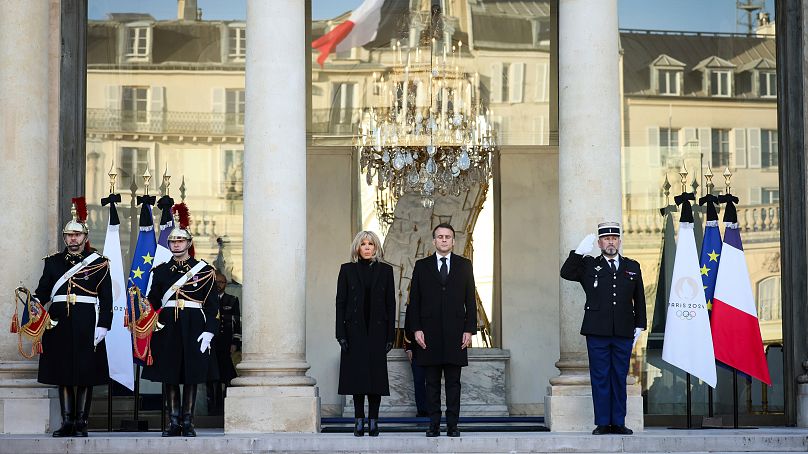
column 51, row 255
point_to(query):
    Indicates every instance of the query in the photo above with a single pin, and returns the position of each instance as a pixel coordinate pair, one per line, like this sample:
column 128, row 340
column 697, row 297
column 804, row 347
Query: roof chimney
column 186, row 9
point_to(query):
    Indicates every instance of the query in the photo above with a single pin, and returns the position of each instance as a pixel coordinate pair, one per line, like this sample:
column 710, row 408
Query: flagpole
column 734, row 398
column 689, row 411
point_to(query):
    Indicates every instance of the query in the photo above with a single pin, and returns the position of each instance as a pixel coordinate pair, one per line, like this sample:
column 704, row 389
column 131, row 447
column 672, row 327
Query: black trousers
column 451, row 375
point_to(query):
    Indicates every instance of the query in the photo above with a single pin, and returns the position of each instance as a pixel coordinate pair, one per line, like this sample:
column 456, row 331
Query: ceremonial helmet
column 178, row 232
column 75, row 225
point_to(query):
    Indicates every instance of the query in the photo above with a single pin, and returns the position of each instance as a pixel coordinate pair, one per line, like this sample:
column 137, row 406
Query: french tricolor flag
column 736, row 332
column 360, row 29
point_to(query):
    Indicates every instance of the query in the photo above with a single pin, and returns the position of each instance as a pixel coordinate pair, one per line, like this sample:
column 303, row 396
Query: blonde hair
column 361, row 236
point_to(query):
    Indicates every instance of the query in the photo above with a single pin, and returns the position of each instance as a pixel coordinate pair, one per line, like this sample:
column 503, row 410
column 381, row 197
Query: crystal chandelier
column 428, row 131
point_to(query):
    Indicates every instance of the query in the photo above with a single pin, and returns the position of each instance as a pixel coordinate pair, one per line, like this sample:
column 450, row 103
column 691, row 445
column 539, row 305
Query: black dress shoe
column 621, row 430
column 433, row 431
column 373, row 427
column 68, row 429
column 359, row 427
column 601, row 430
column 188, row 426
column 452, row 431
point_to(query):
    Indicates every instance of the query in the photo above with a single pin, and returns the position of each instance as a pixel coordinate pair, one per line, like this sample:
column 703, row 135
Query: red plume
column 185, row 220
column 81, row 215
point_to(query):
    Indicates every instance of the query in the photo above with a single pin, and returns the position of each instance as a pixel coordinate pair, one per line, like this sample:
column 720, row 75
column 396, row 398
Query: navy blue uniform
column 615, row 305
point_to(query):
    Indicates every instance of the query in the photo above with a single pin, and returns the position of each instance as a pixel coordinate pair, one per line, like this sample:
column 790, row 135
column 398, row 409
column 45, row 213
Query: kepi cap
column 608, row 228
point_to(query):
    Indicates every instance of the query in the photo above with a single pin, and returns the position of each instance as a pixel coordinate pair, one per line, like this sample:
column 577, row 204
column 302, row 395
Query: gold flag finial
column 147, row 179
column 683, row 175
column 113, row 174
column 166, row 179
column 727, row 178
column 709, row 176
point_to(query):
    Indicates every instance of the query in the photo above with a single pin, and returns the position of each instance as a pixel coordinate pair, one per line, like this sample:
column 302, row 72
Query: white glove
column 100, row 334
column 205, row 339
column 586, row 245
column 637, row 332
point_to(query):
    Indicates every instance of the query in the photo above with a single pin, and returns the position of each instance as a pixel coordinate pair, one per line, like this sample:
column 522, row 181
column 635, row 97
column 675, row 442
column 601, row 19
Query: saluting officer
column 614, row 316
column 77, row 284
column 184, row 288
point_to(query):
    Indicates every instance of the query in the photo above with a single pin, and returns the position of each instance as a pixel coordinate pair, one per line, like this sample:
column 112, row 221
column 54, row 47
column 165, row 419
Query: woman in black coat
column 366, row 307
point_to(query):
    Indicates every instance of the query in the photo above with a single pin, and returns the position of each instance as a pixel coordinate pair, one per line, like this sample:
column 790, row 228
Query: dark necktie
column 444, row 270
column 612, row 266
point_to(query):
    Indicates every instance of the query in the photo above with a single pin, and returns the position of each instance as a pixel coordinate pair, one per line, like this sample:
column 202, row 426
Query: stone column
column 589, row 187
column 273, row 392
column 24, row 183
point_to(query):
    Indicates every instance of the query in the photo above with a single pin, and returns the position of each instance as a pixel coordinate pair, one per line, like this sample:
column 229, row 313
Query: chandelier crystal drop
column 426, row 130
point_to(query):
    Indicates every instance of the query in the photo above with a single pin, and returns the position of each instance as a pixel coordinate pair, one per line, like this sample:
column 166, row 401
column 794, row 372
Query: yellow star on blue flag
column 710, row 251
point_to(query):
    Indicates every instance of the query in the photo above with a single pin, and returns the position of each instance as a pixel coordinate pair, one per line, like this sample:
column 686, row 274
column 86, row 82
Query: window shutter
column 496, row 82
column 157, row 108
column 738, row 157
column 706, row 142
column 687, row 139
column 753, row 142
column 217, row 100
column 654, row 157
column 516, row 78
column 755, row 196
column 218, row 108
column 157, row 99
column 541, row 82
column 112, row 97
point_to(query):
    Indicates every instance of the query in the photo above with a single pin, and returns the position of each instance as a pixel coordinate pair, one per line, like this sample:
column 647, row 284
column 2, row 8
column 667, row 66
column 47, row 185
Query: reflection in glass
column 701, row 100
column 165, row 92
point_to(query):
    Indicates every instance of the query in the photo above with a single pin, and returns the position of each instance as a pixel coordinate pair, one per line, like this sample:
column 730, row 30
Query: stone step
column 768, row 440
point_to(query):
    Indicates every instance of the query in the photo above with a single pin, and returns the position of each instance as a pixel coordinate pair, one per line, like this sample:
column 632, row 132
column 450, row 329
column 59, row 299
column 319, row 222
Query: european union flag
column 710, row 249
column 143, row 258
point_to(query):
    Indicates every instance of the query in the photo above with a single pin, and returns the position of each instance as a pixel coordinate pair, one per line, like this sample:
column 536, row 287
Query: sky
column 680, row 15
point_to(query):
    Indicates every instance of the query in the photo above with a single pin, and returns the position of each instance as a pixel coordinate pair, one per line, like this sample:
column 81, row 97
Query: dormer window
column 720, row 82
column 138, row 41
column 666, row 76
column 767, row 84
column 237, row 42
column 669, row 80
column 717, row 77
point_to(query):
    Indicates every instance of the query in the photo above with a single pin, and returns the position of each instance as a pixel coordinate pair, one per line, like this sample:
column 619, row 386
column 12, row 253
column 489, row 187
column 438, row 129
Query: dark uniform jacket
column 363, row 368
column 616, row 304
column 175, row 349
column 229, row 334
column 442, row 311
column 68, row 356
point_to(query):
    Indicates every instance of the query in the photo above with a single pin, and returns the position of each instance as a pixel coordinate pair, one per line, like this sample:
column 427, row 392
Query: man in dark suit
column 613, row 319
column 442, row 314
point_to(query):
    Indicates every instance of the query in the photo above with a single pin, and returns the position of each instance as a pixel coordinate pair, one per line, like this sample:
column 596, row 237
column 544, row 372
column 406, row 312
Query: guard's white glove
column 205, row 339
column 637, row 332
column 100, row 334
column 586, row 245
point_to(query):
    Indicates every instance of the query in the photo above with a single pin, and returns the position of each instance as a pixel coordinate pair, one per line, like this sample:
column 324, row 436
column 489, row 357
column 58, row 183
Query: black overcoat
column 442, row 311
column 616, row 305
column 363, row 368
column 68, row 356
column 229, row 335
column 175, row 349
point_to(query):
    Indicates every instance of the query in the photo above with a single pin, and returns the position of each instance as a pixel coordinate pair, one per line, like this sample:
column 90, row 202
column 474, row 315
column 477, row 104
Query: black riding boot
column 188, row 403
column 84, row 399
column 174, row 428
column 67, row 402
